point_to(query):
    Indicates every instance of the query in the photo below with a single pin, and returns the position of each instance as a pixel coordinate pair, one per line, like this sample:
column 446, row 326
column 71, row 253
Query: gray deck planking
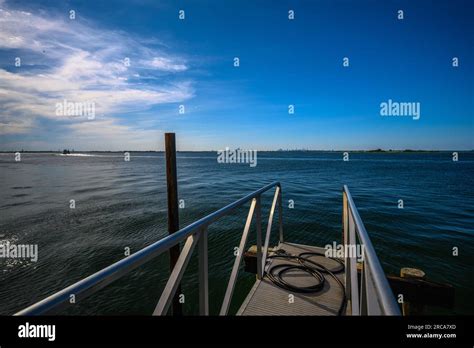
column 265, row 298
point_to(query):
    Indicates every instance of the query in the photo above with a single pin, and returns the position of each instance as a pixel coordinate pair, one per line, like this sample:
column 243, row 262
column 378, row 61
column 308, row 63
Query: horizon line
column 279, row 150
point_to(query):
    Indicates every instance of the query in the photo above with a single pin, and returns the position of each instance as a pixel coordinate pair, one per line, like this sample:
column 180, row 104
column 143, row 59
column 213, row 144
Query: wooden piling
column 173, row 209
column 412, row 273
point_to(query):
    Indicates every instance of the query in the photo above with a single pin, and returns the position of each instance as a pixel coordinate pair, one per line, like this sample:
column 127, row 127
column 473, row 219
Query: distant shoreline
column 276, row 151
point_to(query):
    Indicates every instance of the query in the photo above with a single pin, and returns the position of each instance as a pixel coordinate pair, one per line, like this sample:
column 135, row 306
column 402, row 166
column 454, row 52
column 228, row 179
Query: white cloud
column 166, row 64
column 67, row 59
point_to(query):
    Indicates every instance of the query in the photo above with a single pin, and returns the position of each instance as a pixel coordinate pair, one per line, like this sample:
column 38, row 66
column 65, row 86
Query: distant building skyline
column 320, row 75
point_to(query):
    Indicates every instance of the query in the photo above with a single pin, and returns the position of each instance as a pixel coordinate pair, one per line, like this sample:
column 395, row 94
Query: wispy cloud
column 166, row 64
column 80, row 62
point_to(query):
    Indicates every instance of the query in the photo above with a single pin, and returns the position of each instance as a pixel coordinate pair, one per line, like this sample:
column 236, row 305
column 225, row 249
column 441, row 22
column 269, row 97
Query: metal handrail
column 376, row 296
column 104, row 277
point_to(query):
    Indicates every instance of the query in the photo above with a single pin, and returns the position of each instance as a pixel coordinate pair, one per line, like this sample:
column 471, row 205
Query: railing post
column 280, row 217
column 354, row 284
column 363, row 290
column 377, row 286
column 173, row 210
column 344, row 217
column 203, row 274
column 345, row 239
column 235, row 268
column 269, row 228
column 172, row 284
column 259, row 237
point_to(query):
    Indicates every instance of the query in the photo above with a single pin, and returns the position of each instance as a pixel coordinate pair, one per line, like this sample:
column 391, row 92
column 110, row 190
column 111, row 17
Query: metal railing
column 193, row 234
column 373, row 295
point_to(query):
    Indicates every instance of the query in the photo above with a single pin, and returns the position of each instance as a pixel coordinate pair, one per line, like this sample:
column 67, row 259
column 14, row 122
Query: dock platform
column 266, row 298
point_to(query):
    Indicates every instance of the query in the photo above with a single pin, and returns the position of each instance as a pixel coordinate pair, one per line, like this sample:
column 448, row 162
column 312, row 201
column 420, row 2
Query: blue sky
column 189, row 62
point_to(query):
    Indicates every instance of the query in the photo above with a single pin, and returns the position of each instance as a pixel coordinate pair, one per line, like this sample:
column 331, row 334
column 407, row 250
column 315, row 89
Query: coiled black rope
column 314, row 269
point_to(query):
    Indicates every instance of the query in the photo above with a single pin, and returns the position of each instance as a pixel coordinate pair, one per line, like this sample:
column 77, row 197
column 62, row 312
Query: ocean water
column 122, row 205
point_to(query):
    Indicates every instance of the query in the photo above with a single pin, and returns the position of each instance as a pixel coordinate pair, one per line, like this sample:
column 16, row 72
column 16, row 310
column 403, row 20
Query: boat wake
column 76, row 155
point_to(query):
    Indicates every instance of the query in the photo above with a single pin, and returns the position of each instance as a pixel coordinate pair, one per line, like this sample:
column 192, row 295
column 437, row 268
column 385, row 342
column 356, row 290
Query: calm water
column 123, row 204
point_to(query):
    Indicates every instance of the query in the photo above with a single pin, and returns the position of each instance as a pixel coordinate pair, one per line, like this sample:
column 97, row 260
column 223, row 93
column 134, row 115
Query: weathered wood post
column 413, row 273
column 173, row 209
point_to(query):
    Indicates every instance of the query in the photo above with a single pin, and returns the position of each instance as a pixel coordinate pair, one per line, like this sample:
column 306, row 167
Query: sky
column 138, row 62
